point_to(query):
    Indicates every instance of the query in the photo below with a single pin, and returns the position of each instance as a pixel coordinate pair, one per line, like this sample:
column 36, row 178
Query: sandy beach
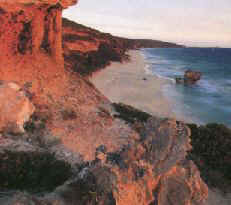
column 129, row 83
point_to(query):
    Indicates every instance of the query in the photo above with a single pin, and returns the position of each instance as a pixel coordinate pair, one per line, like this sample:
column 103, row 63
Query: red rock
column 15, row 108
column 63, row 3
column 37, row 27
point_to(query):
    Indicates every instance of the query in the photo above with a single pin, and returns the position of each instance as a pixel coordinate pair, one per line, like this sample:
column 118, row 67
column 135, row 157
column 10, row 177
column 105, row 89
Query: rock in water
column 15, row 108
column 191, row 77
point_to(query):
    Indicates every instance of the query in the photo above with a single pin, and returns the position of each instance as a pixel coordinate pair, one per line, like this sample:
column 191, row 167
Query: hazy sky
column 191, row 22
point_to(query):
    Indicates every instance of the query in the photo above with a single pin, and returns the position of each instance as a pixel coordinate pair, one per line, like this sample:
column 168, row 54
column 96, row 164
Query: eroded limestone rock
column 36, row 26
column 15, row 108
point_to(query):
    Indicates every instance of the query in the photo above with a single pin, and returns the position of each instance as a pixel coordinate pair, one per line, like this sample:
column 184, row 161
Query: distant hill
column 87, row 50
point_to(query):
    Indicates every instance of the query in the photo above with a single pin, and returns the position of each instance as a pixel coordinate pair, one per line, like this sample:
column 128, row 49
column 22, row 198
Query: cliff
column 87, row 50
column 75, row 147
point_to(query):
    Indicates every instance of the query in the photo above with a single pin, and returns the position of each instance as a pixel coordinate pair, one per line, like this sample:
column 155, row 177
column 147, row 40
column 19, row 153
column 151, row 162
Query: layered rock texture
column 31, row 27
column 74, row 129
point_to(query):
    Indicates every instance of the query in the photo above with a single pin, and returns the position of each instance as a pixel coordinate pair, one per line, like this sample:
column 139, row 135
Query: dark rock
column 179, row 80
column 190, row 77
column 102, row 149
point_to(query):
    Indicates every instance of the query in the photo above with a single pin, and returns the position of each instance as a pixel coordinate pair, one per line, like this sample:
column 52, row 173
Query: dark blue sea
column 207, row 101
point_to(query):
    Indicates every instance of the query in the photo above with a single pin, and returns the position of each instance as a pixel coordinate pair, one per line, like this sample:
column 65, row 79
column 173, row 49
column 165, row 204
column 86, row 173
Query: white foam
column 166, row 78
column 147, row 69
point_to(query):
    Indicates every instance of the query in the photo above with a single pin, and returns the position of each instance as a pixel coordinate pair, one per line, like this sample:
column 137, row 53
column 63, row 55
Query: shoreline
column 130, row 83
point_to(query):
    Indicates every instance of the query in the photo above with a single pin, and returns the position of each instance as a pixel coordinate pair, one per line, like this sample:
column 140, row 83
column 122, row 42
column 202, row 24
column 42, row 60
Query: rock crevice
column 37, row 28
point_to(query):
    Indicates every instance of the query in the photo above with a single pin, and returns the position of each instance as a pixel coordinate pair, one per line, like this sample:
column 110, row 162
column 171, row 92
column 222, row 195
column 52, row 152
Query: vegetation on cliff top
column 130, row 114
column 87, row 50
column 87, row 63
column 135, row 117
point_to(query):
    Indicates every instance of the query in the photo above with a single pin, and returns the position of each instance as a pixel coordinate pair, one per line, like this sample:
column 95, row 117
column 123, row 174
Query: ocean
column 209, row 100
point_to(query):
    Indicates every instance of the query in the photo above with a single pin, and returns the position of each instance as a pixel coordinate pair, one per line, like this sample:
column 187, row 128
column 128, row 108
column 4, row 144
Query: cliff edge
column 86, row 50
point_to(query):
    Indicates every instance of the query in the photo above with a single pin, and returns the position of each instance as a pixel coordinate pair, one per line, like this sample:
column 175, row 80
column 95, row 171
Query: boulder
column 191, row 77
column 15, row 108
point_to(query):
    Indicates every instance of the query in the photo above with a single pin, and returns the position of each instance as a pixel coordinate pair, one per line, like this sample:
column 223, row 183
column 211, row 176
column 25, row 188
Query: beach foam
column 209, row 100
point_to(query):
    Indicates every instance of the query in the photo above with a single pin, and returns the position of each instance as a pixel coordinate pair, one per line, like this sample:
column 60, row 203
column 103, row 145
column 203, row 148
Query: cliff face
column 75, row 129
column 87, row 50
column 37, row 28
column 31, row 41
column 31, row 44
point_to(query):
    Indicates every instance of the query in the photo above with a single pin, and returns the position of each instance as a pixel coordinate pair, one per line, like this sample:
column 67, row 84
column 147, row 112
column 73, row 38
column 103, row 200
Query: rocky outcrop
column 37, row 27
column 15, row 108
column 190, row 77
column 150, row 170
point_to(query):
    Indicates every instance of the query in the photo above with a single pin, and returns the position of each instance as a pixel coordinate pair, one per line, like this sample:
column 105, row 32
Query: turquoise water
column 207, row 101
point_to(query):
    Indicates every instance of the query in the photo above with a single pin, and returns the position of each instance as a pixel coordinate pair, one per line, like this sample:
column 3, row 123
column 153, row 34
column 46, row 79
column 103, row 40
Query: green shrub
column 130, row 114
column 211, row 151
column 33, row 172
column 87, row 63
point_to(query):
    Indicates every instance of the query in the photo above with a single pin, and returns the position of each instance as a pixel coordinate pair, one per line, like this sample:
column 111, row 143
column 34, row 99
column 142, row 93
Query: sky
column 188, row 22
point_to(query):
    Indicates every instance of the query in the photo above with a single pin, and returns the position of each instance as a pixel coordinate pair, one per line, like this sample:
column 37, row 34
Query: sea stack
column 190, row 77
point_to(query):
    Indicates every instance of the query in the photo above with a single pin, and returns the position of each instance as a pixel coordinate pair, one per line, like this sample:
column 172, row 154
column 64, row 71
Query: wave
column 208, row 86
column 166, row 78
column 209, row 99
column 148, row 71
